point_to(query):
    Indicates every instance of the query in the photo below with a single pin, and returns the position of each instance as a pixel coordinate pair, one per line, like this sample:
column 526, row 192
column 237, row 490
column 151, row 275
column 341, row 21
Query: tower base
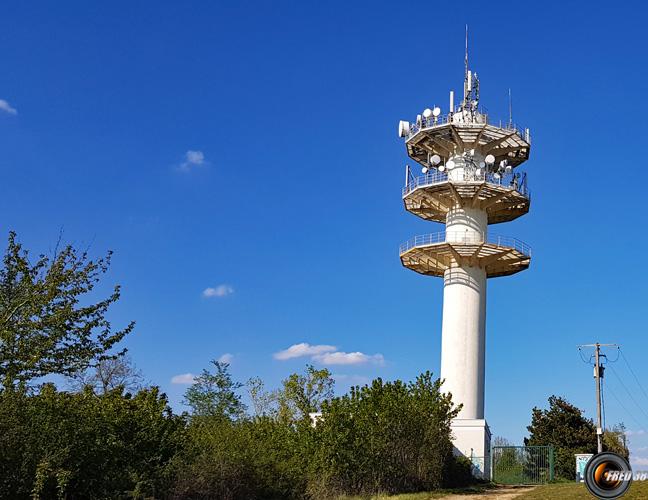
column 472, row 439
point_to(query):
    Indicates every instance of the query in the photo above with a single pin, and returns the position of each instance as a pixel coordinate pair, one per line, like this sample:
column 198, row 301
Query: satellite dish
column 425, row 170
column 418, row 119
column 403, row 128
column 436, row 111
column 450, row 164
column 508, row 169
column 503, row 163
column 490, row 159
column 435, row 159
column 496, row 175
column 482, row 164
column 441, row 168
column 427, row 112
column 478, row 172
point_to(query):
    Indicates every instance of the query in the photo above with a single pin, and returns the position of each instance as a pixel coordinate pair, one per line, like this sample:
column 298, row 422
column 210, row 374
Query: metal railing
column 469, row 238
column 425, row 123
column 519, row 183
column 522, row 464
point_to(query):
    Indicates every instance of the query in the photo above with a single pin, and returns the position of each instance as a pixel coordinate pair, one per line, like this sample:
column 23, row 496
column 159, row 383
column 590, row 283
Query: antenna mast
column 510, row 110
column 466, row 72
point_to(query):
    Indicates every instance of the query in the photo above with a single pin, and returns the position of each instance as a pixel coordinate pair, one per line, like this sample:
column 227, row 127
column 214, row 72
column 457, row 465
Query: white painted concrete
column 470, row 223
column 464, row 318
column 472, row 439
column 463, row 338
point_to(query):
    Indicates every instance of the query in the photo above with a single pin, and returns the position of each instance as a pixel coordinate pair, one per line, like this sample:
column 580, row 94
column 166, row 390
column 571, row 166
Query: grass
column 561, row 491
column 425, row 495
column 577, row 491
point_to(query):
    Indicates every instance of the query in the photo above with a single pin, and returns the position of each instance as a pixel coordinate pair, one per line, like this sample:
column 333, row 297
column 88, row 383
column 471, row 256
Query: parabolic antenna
column 436, row 111
column 427, row 112
column 403, row 128
column 490, row 159
column 424, row 170
column 435, row 159
column 441, row 168
column 450, row 165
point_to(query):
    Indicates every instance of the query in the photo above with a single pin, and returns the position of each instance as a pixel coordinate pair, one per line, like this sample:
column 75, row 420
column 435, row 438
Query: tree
column 264, row 403
column 109, row 374
column 304, row 394
column 614, row 440
column 48, row 325
column 214, row 394
column 563, row 426
column 387, row 437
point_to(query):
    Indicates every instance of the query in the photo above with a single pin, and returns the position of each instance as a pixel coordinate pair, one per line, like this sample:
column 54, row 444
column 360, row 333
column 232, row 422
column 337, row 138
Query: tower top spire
column 466, row 58
column 471, row 84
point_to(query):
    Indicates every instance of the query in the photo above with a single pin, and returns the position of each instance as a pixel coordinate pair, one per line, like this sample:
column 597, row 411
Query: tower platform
column 431, row 196
column 447, row 135
column 432, row 254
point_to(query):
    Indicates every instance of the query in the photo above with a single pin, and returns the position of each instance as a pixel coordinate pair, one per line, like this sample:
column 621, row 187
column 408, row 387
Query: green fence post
column 551, row 463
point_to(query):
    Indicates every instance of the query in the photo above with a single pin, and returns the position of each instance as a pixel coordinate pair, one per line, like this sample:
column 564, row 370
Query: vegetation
column 577, row 491
column 44, row 328
column 564, row 426
column 111, row 436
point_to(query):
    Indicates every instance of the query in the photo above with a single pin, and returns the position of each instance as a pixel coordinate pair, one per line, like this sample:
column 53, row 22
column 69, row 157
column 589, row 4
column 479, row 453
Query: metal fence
column 480, row 119
column 471, row 238
column 522, row 464
column 519, row 183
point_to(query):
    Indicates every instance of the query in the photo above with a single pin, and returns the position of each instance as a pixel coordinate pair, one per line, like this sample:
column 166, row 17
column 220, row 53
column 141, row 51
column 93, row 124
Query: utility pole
column 599, row 371
column 598, row 374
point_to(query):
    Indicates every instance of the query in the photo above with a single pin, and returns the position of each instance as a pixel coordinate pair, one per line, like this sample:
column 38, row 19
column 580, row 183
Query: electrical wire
column 633, row 373
column 580, row 352
column 617, row 357
column 603, row 401
column 629, row 393
column 626, row 410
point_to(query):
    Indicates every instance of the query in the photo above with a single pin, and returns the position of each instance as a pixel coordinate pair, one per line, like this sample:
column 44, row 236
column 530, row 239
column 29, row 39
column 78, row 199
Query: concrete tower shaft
column 464, row 316
column 463, row 339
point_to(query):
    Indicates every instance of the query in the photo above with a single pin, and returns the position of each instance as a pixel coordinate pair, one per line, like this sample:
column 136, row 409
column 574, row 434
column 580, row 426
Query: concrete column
column 464, row 318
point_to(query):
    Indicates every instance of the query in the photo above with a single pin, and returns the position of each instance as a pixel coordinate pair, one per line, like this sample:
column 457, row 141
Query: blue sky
column 250, row 149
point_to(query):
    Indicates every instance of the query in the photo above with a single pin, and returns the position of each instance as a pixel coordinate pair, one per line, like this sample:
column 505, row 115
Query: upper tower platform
column 466, row 161
column 462, row 131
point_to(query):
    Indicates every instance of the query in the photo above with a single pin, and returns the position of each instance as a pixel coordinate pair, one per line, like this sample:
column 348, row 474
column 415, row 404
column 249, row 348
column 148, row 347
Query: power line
column 629, row 393
column 633, row 373
column 625, row 409
column 603, row 400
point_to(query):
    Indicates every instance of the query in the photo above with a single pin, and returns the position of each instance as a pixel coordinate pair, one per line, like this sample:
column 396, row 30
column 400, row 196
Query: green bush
column 59, row 444
column 383, row 438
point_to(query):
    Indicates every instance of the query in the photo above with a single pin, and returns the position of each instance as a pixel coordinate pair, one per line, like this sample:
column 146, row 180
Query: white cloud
column 218, row 291
column 328, row 355
column 635, row 433
column 641, row 448
column 192, row 159
column 349, row 358
column 641, row 461
column 183, row 379
column 226, row 358
column 7, row 108
column 301, row 350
